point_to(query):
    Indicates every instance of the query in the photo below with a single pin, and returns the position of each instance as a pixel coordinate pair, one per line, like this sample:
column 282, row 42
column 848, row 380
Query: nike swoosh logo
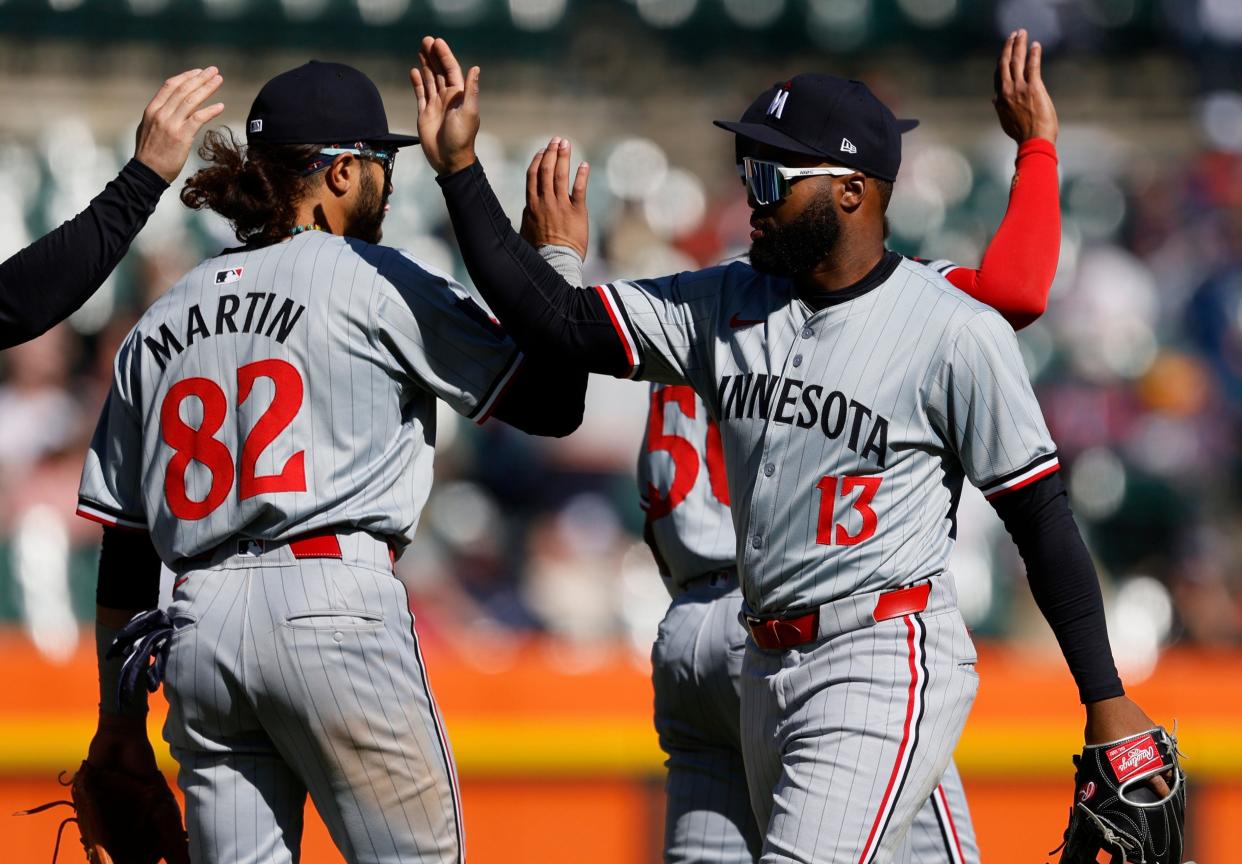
column 736, row 321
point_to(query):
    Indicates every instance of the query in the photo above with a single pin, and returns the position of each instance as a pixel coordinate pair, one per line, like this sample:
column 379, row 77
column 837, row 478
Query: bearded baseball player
column 697, row 658
column 854, row 391
column 269, row 436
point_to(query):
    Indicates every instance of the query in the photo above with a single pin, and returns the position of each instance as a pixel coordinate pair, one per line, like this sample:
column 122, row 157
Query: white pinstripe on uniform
column 937, row 380
column 275, row 393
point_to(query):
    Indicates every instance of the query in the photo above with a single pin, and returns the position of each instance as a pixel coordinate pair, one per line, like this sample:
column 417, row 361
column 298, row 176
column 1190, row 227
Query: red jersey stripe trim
column 627, row 342
column 941, row 803
column 1036, row 473
column 909, row 732
column 94, row 514
column 498, row 390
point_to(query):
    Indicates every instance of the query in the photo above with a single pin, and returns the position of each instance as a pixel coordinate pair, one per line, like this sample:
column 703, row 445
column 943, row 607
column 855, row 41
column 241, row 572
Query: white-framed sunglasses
column 768, row 182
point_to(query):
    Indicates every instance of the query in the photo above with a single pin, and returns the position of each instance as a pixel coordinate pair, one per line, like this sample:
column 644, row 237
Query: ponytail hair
column 257, row 189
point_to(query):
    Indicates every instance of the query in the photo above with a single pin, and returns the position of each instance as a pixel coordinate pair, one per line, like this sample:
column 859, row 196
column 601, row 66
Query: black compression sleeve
column 543, row 312
column 129, row 571
column 544, row 398
column 51, row 278
column 1063, row 582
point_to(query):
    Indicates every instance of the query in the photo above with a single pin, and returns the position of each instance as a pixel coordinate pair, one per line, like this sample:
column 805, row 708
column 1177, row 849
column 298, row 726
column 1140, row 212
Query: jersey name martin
column 261, row 313
column 791, row 402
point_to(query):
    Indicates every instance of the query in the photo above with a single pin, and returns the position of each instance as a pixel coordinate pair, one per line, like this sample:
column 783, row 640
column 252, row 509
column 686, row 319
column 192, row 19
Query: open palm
column 448, row 106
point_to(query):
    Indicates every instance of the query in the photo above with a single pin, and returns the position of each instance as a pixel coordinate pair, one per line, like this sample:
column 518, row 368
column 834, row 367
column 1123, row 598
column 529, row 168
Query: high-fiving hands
column 173, row 118
column 556, row 213
column 448, row 106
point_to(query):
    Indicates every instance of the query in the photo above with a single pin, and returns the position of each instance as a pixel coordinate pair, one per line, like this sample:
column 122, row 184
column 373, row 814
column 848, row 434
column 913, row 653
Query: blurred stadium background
column 533, row 591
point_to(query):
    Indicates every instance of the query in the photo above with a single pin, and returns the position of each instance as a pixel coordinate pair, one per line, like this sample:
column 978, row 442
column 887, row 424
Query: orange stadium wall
column 559, row 763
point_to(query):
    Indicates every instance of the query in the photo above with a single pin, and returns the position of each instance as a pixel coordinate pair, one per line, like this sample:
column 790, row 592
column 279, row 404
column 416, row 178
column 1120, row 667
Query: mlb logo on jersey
column 224, row 277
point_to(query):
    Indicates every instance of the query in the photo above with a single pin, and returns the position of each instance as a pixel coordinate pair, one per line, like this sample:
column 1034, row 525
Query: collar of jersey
column 817, row 300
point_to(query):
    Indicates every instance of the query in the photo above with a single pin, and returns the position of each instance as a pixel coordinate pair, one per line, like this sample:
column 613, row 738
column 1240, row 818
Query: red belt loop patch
column 316, row 546
column 780, row 633
column 904, row 601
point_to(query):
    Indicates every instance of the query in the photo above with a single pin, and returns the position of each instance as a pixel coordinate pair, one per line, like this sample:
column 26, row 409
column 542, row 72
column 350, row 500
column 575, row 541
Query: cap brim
column 395, row 140
column 766, row 135
column 905, row 125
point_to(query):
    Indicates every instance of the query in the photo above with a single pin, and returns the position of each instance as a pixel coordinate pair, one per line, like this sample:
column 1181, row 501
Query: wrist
column 458, row 162
column 1038, row 144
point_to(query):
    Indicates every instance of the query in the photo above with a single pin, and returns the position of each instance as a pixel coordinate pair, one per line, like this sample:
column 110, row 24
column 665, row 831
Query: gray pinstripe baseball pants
column 696, row 672
column 848, row 737
column 287, row 676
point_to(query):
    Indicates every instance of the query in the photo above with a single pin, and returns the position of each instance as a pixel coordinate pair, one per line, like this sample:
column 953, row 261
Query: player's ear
column 342, row 174
column 853, row 190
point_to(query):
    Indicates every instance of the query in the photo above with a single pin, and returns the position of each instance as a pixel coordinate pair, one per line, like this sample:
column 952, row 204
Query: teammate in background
column 269, row 436
column 51, row 278
column 855, row 391
column 697, row 658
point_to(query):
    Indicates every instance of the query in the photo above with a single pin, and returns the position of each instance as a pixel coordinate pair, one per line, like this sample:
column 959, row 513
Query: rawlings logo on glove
column 1117, row 812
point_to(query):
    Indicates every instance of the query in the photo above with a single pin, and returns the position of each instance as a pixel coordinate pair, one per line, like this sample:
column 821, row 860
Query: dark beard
column 797, row 248
column 367, row 219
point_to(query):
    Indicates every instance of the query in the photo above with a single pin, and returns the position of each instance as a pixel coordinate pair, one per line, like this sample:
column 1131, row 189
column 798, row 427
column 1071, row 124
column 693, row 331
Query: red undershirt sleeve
column 1021, row 260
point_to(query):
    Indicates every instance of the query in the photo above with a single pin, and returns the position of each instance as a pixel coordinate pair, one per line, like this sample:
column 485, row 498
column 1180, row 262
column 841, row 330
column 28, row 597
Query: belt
column 782, row 633
column 316, row 545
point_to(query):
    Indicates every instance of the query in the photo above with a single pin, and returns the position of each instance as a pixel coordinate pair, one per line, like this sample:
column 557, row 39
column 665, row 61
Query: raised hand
column 448, row 106
column 1022, row 102
column 556, row 214
column 172, row 119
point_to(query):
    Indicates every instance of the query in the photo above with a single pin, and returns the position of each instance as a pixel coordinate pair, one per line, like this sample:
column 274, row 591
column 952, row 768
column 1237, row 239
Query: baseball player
column 697, row 657
column 269, row 436
column 854, row 392
column 48, row 280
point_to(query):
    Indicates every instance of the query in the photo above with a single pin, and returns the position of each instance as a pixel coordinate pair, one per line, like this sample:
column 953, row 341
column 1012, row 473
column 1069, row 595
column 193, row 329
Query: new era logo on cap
column 256, row 125
column 847, row 146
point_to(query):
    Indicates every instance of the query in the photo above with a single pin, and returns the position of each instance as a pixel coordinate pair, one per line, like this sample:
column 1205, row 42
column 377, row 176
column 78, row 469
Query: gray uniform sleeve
column 111, row 489
column 666, row 324
column 981, row 402
column 438, row 334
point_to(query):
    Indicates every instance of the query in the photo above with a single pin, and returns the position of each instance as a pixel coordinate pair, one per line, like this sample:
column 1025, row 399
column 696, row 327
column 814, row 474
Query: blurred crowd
column 1138, row 364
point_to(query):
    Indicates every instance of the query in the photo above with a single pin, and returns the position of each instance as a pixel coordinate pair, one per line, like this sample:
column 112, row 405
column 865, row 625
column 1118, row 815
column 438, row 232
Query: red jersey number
column 828, row 531
column 686, row 459
column 200, row 445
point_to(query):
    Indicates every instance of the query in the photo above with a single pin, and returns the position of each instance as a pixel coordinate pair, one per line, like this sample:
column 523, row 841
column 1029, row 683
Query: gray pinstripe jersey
column 846, row 432
column 687, row 505
column 223, row 419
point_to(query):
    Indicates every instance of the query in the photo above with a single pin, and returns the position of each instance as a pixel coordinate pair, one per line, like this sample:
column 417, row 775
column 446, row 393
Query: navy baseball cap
column 321, row 103
column 836, row 119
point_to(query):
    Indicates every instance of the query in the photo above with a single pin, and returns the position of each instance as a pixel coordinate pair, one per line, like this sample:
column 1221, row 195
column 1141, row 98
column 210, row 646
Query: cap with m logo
column 836, row 119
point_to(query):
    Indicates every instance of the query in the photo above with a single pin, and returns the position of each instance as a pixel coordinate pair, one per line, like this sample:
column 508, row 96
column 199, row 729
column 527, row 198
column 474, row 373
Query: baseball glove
column 1117, row 812
column 123, row 818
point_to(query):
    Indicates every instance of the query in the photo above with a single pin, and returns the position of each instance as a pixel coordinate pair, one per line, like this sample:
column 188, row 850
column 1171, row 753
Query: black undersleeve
column 52, row 277
column 544, row 313
column 1063, row 581
column 129, row 571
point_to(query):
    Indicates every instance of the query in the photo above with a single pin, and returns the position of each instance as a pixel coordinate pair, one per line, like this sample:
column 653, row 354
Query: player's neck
column 322, row 215
column 848, row 264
